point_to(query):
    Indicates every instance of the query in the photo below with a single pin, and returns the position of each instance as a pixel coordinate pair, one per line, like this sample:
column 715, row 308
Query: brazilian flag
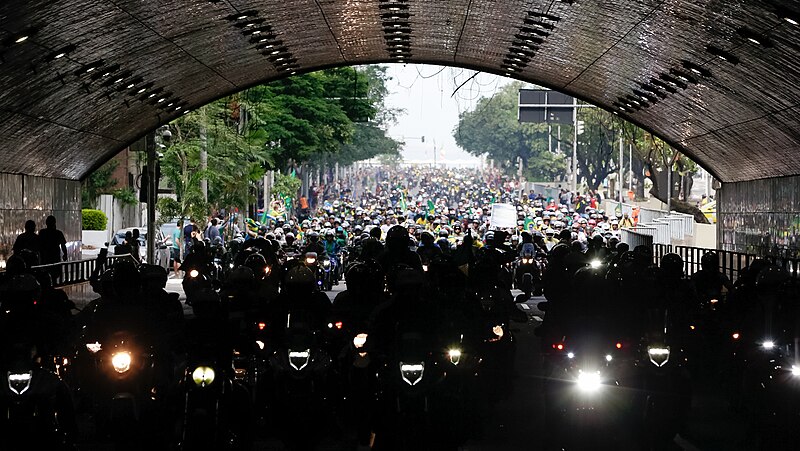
column 528, row 223
column 401, row 204
column 431, row 207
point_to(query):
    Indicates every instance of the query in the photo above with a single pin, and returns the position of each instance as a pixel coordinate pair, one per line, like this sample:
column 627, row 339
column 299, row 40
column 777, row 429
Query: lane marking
column 538, row 318
column 683, row 443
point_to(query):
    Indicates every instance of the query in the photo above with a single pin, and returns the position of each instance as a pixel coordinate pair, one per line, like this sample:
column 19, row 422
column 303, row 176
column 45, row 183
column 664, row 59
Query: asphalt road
column 517, row 423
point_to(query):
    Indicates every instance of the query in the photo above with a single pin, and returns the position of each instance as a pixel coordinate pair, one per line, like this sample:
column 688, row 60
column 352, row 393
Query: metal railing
column 670, row 226
column 77, row 271
column 636, row 238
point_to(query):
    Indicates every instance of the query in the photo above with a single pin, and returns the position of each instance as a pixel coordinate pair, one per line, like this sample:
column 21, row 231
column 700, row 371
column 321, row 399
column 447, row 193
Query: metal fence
column 76, row 271
column 730, row 263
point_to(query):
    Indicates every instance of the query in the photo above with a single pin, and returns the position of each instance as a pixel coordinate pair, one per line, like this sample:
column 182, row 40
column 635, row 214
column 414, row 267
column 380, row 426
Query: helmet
column 672, row 264
column 710, row 261
column 329, row 233
column 300, row 279
column 771, row 279
column 397, row 237
column 313, row 236
column 153, row 276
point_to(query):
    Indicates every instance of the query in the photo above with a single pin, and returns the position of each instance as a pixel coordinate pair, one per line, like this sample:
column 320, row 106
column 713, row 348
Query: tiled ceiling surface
column 80, row 79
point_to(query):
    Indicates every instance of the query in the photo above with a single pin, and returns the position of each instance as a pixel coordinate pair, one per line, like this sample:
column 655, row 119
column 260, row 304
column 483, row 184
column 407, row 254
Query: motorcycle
column 313, row 263
column 300, row 377
column 125, row 376
column 36, row 404
column 527, row 276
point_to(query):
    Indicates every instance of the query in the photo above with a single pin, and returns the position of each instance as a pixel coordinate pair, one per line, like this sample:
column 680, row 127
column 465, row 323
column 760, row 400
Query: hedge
column 94, row 219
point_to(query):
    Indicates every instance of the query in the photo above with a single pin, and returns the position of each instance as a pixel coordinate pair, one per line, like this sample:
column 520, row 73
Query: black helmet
column 426, row 237
column 300, row 279
column 397, row 237
column 771, row 280
column 256, row 263
column 313, row 236
column 153, row 276
column 710, row 261
column 672, row 265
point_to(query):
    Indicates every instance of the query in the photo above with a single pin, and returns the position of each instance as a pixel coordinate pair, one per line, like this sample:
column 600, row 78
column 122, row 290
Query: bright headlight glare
column 795, row 370
column 310, row 260
column 658, row 355
column 570, row 355
column 121, row 361
column 498, row 331
column 267, row 270
column 425, row 268
column 455, row 356
column 203, row 375
column 94, row 347
column 588, row 381
column 359, row 340
column 768, row 344
column 326, row 263
column 194, row 273
column 595, row 264
column 609, row 357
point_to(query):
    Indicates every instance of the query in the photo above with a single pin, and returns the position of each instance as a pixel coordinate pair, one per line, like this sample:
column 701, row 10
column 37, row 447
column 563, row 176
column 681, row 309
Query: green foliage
column 93, row 219
column 286, row 185
column 492, row 128
column 99, row 182
column 127, row 196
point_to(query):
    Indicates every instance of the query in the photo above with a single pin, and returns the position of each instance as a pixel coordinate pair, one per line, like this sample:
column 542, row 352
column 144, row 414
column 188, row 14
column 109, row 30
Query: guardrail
column 678, row 225
column 636, row 238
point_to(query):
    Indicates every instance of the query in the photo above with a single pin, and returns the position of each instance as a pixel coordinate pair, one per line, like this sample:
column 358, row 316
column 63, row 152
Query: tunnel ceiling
column 81, row 79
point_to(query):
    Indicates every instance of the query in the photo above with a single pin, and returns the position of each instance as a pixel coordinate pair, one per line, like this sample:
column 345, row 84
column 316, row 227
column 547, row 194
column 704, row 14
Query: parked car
column 162, row 250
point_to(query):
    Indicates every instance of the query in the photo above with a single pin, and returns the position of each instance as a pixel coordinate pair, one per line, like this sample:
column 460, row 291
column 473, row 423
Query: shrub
column 94, row 219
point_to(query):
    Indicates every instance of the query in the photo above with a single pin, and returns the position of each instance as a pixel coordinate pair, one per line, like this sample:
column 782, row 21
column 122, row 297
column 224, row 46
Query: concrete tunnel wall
column 24, row 197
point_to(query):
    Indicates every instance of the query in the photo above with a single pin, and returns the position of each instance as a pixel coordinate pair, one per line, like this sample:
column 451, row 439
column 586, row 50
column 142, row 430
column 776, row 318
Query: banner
column 503, row 216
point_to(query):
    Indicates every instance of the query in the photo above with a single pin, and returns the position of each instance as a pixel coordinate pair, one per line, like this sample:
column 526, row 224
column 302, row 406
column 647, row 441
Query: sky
column 431, row 109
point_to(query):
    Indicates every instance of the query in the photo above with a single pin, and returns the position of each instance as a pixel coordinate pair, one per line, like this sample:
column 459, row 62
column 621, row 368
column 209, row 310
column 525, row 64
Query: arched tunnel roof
column 716, row 78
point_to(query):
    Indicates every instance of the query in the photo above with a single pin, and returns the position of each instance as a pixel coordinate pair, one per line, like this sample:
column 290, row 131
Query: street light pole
column 152, row 187
column 574, row 144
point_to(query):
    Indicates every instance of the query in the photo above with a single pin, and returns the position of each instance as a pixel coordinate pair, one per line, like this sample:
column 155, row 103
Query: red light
column 35, row 302
column 619, row 345
column 559, row 346
column 735, row 335
column 338, row 324
column 261, row 326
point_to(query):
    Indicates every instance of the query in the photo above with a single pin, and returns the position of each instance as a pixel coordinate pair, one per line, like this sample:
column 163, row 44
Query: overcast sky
column 431, row 110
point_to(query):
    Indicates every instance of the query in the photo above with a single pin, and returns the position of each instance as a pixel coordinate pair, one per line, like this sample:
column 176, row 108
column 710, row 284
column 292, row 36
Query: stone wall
column 760, row 216
column 24, row 197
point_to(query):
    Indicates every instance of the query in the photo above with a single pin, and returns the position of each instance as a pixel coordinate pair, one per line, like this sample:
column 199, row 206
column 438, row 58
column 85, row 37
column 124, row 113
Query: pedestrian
column 53, row 243
column 177, row 243
column 188, row 233
column 29, row 240
column 135, row 245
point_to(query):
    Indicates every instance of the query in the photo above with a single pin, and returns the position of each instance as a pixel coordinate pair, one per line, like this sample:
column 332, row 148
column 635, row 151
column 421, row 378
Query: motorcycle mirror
column 542, row 306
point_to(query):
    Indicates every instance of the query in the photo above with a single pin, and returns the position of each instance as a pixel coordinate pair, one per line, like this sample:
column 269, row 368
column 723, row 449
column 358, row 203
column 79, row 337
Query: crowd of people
column 440, row 206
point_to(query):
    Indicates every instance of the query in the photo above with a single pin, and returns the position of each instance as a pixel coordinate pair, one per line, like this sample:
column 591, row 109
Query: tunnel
column 716, row 79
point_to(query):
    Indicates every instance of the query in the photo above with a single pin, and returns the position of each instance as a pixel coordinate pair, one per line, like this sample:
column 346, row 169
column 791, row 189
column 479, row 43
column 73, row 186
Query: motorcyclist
column 428, row 250
column 397, row 251
column 711, row 284
column 301, row 298
column 290, row 247
column 313, row 244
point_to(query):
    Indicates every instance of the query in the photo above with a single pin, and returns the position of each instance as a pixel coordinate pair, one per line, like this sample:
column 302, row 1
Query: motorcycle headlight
column 194, row 273
column 768, row 345
column 299, row 359
column 412, row 372
column 589, row 381
column 658, row 355
column 594, row 264
column 795, row 371
column 19, row 383
column 203, row 375
column 267, row 270
column 455, row 356
column 121, row 361
column 425, row 268
column 360, row 340
column 326, row 263
column 310, row 260
column 94, row 347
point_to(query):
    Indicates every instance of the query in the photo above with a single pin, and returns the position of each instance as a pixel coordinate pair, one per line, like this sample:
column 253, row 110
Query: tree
column 597, row 153
column 492, row 128
column 657, row 157
column 99, row 182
